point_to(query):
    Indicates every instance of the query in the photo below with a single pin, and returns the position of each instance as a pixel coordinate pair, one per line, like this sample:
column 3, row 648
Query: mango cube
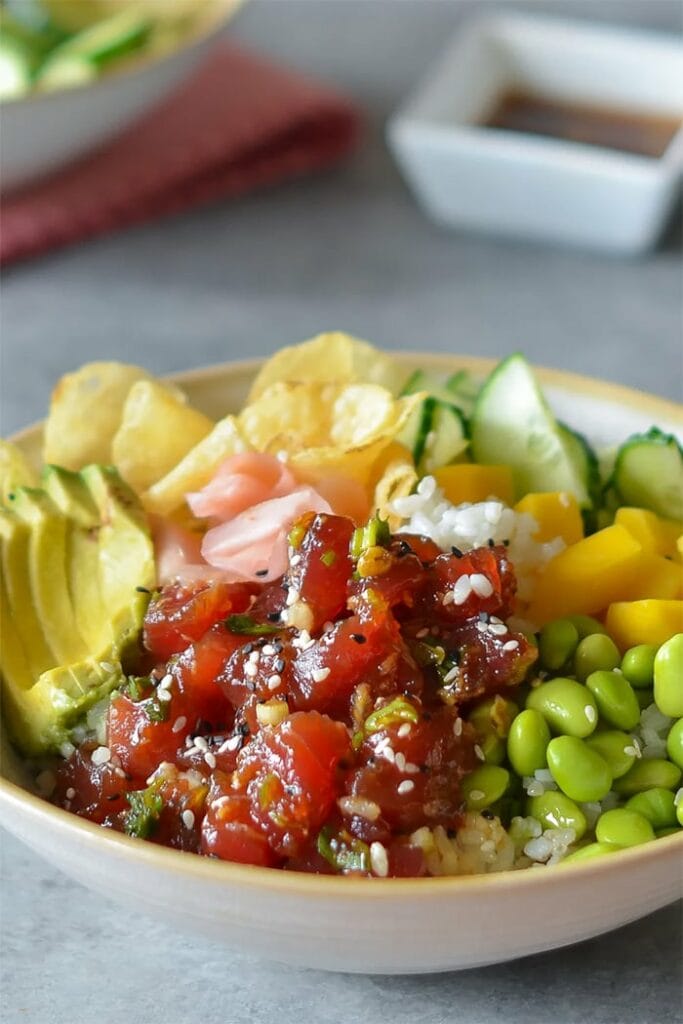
column 557, row 514
column 469, row 482
column 643, row 622
column 657, row 535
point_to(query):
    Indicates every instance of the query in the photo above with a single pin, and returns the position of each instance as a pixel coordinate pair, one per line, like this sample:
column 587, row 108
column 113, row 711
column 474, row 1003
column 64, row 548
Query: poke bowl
column 507, row 857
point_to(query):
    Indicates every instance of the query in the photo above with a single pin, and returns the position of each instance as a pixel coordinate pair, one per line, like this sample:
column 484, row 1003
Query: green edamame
column 484, row 786
column 556, row 643
column 588, row 852
column 616, row 748
column 622, row 827
column 527, row 742
column 597, row 651
column 657, row 805
column 586, row 624
column 674, row 743
column 567, row 706
column 648, row 773
column 615, row 698
column 668, row 677
column 638, row 665
column 581, row 773
column 555, row 810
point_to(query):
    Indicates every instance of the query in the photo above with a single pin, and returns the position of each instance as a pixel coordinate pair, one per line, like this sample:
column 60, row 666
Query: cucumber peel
column 648, row 472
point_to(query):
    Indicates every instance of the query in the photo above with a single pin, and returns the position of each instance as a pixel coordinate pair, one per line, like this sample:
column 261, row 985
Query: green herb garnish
column 375, row 533
column 245, row 625
column 328, row 558
column 397, row 710
column 142, row 819
column 343, row 852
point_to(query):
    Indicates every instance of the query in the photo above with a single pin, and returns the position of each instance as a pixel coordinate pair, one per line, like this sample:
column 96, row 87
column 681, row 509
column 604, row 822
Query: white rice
column 468, row 526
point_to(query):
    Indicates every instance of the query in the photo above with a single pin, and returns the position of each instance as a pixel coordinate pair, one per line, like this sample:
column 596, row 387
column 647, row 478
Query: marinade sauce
column 614, row 128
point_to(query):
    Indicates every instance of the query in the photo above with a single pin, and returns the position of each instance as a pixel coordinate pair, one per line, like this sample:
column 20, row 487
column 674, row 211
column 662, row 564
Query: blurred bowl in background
column 43, row 132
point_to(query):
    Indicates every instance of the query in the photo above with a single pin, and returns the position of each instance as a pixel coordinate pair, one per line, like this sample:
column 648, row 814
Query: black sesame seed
column 491, row 542
column 248, row 648
column 456, row 551
column 273, row 616
column 506, row 543
column 261, row 572
column 279, row 665
column 143, row 590
column 451, row 833
column 358, row 638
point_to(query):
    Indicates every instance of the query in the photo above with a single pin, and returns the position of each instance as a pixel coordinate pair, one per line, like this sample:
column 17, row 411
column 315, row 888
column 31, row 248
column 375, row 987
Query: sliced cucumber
column 582, row 452
column 649, row 473
column 513, row 425
column 421, row 381
column 435, row 434
column 107, row 40
column 463, row 389
column 65, row 72
column 416, row 431
column 15, row 67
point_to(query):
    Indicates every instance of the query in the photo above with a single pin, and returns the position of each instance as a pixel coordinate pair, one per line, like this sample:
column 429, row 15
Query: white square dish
column 474, row 177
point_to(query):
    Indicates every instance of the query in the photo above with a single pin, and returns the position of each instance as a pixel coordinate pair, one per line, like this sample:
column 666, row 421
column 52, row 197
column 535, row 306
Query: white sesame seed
column 497, row 628
column 328, row 626
column 422, row 633
column 481, row 585
column 292, row 597
column 457, row 727
column 404, row 730
column 274, row 682
column 400, row 761
column 100, row 755
column 232, row 743
column 70, row 793
column 120, row 772
column 452, row 674
column 255, row 657
column 250, row 670
column 319, row 674
column 388, row 754
column 107, row 666
column 405, row 787
column 630, row 751
column 46, row 783
column 360, row 807
column 410, row 768
column 479, row 752
column 165, row 682
column 591, row 713
column 164, row 695
column 462, row 590
column 188, row 819
column 179, row 724
column 200, row 743
column 477, row 794
column 511, row 645
column 295, row 560
column 268, row 650
column 210, row 759
column 379, row 861
column 448, row 598
column 482, row 627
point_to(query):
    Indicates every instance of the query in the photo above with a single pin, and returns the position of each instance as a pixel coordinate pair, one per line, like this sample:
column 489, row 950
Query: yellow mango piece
column 656, row 534
column 557, row 514
column 472, row 483
column 658, row 578
column 643, row 622
column 588, row 576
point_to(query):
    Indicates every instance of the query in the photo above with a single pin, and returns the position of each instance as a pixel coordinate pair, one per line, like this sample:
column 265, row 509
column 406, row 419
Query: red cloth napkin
column 239, row 123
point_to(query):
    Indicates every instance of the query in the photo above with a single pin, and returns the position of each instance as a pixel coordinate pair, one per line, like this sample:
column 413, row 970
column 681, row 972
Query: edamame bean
column 597, row 651
column 588, row 852
column 580, row 772
column 615, row 699
column 616, row 748
column 649, row 773
column 668, row 676
column 638, row 665
column 567, row 706
column 674, row 743
column 527, row 741
column 557, row 643
column 586, row 624
column 622, row 827
column 657, row 805
column 484, row 786
column 555, row 810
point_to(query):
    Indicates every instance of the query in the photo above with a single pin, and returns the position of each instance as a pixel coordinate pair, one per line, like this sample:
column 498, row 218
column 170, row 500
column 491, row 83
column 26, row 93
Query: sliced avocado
column 126, row 552
column 15, row 537
column 47, row 573
column 72, row 497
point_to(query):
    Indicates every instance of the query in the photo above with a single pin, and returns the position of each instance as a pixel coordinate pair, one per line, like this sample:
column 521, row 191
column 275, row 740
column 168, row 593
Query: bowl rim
column 216, row 15
column 14, row 798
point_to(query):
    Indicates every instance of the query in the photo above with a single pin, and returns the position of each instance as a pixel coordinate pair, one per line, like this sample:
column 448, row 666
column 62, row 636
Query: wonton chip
column 333, row 357
column 85, row 412
column 157, row 430
column 15, row 469
column 196, row 468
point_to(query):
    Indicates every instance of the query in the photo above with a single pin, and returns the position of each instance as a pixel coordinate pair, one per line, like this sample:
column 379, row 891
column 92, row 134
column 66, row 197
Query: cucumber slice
column 649, row 473
column 416, row 431
column 447, row 437
column 15, row 67
column 107, row 40
column 421, row 381
column 463, row 389
column 65, row 72
column 513, row 425
column 582, row 452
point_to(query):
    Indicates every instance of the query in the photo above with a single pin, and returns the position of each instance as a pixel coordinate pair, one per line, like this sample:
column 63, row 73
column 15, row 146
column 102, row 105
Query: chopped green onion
column 343, row 854
column 142, row 819
column 398, row 710
column 245, row 625
column 375, row 533
column 329, row 558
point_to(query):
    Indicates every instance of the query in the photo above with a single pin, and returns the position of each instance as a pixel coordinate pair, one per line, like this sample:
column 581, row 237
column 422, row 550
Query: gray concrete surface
column 345, row 249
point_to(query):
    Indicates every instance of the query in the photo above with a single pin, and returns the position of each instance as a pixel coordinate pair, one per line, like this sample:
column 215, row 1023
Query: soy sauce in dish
column 593, row 125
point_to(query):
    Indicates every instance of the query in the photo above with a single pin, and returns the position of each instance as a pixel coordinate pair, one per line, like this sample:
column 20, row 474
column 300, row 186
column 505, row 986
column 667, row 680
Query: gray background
column 347, row 249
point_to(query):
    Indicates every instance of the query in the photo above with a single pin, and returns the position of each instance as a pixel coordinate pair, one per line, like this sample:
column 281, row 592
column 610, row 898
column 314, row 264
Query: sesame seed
column 421, row 633
column 107, row 666
column 200, row 743
column 462, row 590
column 482, row 627
column 188, row 819
column 166, row 681
column 268, row 650
column 274, row 682
column 250, row 670
column 511, row 645
column 328, row 626
column 319, row 674
column 210, row 759
column 379, row 861
column 232, row 743
column 46, row 782
column 163, row 695
column 359, row 807
column 405, row 787
column 630, row 751
column 292, row 597
column 100, row 755
column 410, row 768
column 448, row 598
column 457, row 727
column 70, row 793
column 477, row 794
column 400, row 761
column 479, row 752
column 498, row 629
column 255, row 657
column 179, row 724
column 452, row 674
column 591, row 713
column 295, row 560
column 388, row 754
column 404, row 729
column 481, row 585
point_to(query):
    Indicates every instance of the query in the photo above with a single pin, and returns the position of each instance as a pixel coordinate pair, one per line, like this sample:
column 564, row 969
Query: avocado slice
column 73, row 499
column 74, row 555
column 47, row 573
column 14, row 538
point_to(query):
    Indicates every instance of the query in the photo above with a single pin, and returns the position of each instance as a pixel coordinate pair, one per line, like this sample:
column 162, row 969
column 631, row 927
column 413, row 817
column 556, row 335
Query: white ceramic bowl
column 42, row 133
column 511, row 183
column 366, row 925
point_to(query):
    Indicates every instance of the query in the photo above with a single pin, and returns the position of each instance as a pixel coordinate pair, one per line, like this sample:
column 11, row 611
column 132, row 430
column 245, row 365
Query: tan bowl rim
column 300, row 883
